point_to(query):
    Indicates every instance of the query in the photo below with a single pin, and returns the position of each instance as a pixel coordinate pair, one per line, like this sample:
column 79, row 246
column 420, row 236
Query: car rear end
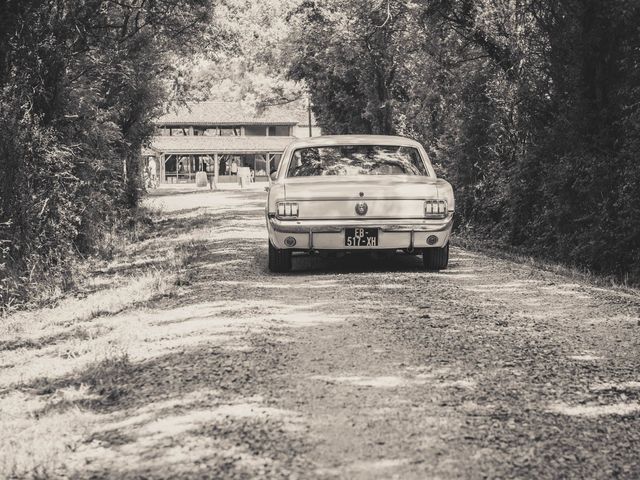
column 366, row 215
column 335, row 212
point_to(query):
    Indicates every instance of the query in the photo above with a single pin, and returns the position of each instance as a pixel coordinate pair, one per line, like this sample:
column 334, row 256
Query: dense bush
column 80, row 81
column 530, row 109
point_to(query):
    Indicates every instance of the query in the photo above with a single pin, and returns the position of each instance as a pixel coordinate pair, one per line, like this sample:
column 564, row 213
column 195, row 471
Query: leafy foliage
column 249, row 67
column 529, row 108
column 80, row 81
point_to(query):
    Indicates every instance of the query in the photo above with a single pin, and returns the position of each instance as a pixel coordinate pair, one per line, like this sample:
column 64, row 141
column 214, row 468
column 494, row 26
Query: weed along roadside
column 185, row 358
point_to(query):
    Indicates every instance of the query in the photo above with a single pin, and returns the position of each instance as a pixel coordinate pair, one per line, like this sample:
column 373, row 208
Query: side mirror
column 273, row 176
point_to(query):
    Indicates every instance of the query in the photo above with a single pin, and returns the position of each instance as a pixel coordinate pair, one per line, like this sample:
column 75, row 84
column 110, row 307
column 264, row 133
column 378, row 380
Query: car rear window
column 354, row 160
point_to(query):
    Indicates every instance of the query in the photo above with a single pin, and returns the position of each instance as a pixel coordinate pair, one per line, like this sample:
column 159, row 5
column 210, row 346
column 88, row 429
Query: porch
column 178, row 159
column 176, row 168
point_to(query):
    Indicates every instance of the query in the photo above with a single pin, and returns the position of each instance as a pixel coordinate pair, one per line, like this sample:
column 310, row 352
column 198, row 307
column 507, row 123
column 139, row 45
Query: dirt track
column 356, row 368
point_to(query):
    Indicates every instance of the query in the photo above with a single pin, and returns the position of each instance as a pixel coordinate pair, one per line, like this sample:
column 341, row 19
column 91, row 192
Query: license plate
column 361, row 237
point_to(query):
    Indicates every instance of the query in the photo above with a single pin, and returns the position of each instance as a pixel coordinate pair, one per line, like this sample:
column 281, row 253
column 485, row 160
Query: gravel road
column 372, row 368
column 186, row 358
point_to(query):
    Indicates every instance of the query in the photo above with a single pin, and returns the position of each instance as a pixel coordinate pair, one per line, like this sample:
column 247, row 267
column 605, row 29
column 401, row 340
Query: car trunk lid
column 361, row 198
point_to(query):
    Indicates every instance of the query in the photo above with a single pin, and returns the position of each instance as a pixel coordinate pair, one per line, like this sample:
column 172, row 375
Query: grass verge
column 482, row 245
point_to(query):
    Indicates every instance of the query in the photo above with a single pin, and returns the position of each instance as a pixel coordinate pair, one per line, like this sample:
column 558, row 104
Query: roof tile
column 205, row 144
column 232, row 113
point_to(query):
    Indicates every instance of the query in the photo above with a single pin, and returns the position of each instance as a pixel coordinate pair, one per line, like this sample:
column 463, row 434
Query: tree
column 80, row 81
column 527, row 106
column 249, row 69
column 346, row 53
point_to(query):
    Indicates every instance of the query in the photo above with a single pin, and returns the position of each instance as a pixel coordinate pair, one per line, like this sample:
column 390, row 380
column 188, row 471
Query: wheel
column 279, row 260
column 436, row 258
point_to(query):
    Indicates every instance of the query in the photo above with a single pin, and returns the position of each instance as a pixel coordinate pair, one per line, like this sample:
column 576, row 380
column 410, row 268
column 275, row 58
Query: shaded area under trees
column 80, row 81
column 530, row 108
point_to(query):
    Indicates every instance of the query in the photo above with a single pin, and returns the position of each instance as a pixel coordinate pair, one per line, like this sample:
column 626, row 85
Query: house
column 213, row 136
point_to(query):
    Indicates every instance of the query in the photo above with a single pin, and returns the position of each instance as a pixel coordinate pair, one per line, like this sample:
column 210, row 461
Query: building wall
column 238, row 130
column 182, row 168
column 303, row 132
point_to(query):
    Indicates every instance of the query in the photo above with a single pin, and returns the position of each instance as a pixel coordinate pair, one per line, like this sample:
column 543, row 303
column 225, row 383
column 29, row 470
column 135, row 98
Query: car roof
column 329, row 140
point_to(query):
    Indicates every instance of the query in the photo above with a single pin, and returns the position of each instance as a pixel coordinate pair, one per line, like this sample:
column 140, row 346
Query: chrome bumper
column 334, row 226
column 395, row 233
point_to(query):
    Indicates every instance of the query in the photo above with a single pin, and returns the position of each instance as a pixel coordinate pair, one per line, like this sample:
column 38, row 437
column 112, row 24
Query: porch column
column 163, row 158
column 216, row 169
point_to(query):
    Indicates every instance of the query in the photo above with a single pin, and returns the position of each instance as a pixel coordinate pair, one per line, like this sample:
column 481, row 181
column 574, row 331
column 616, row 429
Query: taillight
column 287, row 209
column 435, row 208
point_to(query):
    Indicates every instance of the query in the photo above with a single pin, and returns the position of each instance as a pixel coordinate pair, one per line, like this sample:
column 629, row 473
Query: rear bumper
column 329, row 234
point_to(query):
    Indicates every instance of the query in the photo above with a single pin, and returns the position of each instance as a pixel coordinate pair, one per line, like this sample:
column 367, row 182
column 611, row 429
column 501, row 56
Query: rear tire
column 436, row 258
column 279, row 260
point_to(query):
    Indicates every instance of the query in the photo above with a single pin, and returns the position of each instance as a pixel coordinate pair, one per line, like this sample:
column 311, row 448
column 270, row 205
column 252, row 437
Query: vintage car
column 349, row 193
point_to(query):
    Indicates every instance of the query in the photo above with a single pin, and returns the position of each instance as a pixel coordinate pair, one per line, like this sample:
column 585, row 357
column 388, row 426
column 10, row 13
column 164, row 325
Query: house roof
column 209, row 145
column 330, row 140
column 147, row 152
column 233, row 113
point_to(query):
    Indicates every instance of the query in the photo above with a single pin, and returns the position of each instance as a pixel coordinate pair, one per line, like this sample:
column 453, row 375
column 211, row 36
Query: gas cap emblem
column 362, row 208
